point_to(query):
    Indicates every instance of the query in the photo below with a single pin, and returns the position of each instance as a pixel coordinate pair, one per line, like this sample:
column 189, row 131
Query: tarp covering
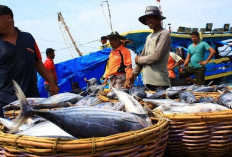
column 75, row 70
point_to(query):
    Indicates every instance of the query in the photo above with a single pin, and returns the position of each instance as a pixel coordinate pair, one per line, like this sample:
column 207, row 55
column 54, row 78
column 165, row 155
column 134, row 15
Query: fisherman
column 77, row 90
column 49, row 65
column 104, row 42
column 173, row 61
column 196, row 55
column 20, row 59
column 120, row 64
column 154, row 57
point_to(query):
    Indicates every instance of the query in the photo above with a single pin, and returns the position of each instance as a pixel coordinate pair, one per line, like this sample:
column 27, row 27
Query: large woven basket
column 150, row 141
column 200, row 135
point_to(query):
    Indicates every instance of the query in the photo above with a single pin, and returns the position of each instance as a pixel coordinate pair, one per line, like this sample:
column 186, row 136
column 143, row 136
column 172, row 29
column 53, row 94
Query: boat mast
column 61, row 19
column 108, row 6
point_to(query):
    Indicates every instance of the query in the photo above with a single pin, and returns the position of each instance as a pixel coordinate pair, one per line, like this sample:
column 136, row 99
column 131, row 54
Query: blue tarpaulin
column 75, row 70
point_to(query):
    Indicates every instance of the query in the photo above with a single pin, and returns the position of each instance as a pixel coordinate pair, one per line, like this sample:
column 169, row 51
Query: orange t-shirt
column 115, row 61
column 49, row 65
column 171, row 62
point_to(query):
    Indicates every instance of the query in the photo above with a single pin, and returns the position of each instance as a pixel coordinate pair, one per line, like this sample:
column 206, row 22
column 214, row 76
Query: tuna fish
column 88, row 101
column 170, row 108
column 138, row 92
column 205, row 89
column 206, row 99
column 10, row 125
column 43, row 129
column 82, row 122
column 226, row 100
column 131, row 104
column 188, row 97
column 15, row 105
column 62, row 97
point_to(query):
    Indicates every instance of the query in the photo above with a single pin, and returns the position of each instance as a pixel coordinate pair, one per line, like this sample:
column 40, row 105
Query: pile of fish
column 82, row 117
column 88, row 117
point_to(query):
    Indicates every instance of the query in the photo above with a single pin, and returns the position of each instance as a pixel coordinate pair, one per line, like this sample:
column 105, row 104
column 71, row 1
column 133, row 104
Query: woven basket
column 150, row 141
column 200, row 135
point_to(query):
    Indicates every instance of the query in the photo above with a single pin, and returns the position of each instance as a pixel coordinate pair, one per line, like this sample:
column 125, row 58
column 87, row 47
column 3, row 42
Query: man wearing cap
column 104, row 43
column 120, row 64
column 20, row 59
column 154, row 57
column 49, row 65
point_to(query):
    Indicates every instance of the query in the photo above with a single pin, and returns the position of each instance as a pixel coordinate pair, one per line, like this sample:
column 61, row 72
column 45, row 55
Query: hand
column 203, row 63
column 53, row 88
column 137, row 59
column 85, row 79
column 105, row 82
column 127, row 84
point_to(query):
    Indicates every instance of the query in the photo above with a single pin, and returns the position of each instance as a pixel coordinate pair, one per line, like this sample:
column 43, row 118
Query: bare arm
column 212, row 53
column 47, row 76
column 187, row 60
column 177, row 63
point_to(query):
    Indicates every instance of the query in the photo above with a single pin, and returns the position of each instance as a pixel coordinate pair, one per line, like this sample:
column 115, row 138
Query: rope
column 15, row 142
column 105, row 14
column 93, row 145
column 64, row 39
column 54, row 149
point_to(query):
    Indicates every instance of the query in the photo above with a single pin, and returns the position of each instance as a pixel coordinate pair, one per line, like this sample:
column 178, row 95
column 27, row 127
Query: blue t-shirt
column 17, row 62
column 197, row 53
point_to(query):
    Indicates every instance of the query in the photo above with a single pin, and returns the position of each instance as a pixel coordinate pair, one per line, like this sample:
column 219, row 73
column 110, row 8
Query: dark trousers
column 199, row 74
column 154, row 88
column 47, row 88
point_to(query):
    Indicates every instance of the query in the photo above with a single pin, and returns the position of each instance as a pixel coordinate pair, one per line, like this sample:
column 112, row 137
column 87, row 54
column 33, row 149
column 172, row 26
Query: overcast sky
column 87, row 22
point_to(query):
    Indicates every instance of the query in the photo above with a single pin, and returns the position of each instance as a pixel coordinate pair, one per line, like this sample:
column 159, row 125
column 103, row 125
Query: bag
column 122, row 67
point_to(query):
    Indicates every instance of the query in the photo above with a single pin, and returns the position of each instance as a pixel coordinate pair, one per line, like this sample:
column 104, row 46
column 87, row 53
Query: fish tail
column 25, row 111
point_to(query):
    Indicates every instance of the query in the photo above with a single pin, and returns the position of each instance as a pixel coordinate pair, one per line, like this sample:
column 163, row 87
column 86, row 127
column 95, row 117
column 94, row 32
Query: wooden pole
column 61, row 19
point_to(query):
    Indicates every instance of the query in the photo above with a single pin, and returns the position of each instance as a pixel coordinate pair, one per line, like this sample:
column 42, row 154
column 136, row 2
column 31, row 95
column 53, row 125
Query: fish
column 225, row 99
column 88, row 101
column 15, row 104
column 8, row 124
column 105, row 105
column 138, row 92
column 171, row 108
column 45, row 129
column 188, row 97
column 62, row 97
column 205, row 89
column 206, row 99
column 223, row 87
column 131, row 104
column 82, row 122
column 158, row 102
column 160, row 94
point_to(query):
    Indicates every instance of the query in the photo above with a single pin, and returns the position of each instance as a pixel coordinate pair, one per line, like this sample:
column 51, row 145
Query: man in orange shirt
column 173, row 61
column 120, row 64
column 49, row 65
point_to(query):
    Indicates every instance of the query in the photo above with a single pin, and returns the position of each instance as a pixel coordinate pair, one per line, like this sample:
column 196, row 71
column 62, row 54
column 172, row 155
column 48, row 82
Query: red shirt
column 49, row 65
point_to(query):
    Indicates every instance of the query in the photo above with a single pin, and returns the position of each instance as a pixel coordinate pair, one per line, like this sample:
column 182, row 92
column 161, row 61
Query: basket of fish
column 83, row 130
column 198, row 125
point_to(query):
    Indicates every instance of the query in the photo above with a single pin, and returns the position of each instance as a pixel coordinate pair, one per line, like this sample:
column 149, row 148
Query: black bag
column 122, row 67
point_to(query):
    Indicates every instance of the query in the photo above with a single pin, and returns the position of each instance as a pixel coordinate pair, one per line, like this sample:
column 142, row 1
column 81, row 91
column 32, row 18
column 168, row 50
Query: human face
column 52, row 55
column 194, row 38
column 153, row 21
column 4, row 23
column 115, row 42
